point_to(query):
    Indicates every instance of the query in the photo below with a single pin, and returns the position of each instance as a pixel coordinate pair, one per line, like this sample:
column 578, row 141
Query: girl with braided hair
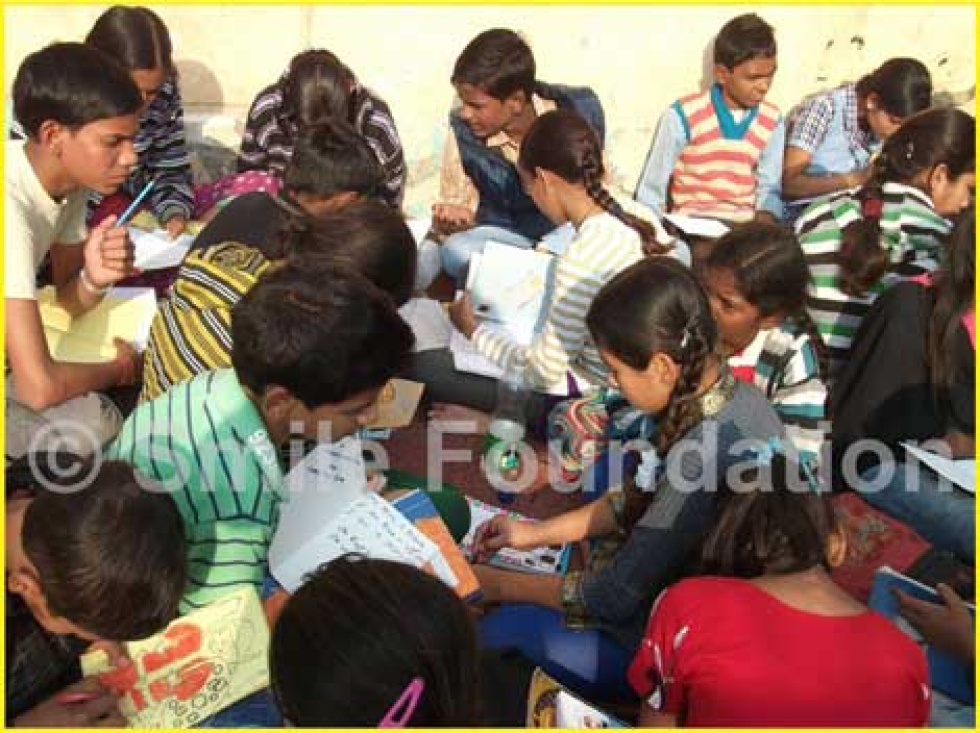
column 561, row 168
column 861, row 242
column 652, row 325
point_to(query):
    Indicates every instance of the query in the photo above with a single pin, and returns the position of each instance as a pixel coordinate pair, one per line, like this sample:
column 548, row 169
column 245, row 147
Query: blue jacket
column 503, row 201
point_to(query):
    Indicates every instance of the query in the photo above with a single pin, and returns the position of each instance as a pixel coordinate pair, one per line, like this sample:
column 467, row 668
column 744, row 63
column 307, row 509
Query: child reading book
column 766, row 638
column 312, row 348
column 103, row 563
column 653, row 326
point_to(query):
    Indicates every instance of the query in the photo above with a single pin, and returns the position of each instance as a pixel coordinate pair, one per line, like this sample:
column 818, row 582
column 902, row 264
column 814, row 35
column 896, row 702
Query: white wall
column 638, row 58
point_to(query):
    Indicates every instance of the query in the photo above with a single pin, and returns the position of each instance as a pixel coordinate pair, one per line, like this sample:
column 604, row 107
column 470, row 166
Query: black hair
column 111, row 557
column 564, row 143
column 354, row 636
column 367, row 236
column 499, row 62
column 331, row 158
column 318, row 87
column 955, row 288
column 742, row 39
column 938, row 136
column 135, row 37
column 72, row 84
column 655, row 306
column 319, row 330
column 770, row 273
column 780, row 525
column 902, row 85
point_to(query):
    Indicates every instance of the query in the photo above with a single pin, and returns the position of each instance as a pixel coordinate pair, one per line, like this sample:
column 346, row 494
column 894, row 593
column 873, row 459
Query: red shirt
column 723, row 652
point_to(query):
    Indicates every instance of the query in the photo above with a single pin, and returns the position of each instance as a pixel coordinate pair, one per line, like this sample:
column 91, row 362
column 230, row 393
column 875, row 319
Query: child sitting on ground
column 191, row 333
column 756, row 280
column 766, row 638
column 313, row 345
column 138, row 39
column 653, row 327
column 858, row 244
column 719, row 153
column 106, row 562
column 78, row 109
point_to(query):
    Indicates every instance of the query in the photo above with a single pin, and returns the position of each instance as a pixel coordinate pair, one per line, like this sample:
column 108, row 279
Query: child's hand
column 461, row 314
column 500, row 532
column 175, row 226
column 86, row 704
column 450, row 218
column 108, row 254
column 949, row 628
column 129, row 361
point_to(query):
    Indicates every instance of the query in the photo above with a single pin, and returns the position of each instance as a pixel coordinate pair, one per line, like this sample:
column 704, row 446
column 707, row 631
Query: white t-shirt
column 33, row 222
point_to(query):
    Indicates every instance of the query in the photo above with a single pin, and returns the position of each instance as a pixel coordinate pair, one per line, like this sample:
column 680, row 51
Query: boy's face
column 330, row 423
column 485, row 115
column 98, row 155
column 745, row 86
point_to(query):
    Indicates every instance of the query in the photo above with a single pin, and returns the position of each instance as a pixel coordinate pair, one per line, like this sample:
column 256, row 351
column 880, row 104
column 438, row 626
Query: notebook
column 202, row 663
column 551, row 560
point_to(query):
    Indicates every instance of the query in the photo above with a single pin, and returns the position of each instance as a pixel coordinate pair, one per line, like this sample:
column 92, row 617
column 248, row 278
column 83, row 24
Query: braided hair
column 770, row 272
column 657, row 306
column 564, row 143
column 939, row 136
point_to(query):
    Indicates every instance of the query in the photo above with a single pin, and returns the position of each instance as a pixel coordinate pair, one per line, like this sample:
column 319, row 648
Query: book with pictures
column 948, row 675
column 550, row 560
column 202, row 663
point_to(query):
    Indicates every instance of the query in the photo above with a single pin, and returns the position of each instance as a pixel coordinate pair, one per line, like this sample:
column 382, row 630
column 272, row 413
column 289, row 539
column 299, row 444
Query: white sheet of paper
column 509, row 284
column 698, row 227
column 419, row 228
column 429, row 322
column 963, row 473
column 156, row 251
column 570, row 712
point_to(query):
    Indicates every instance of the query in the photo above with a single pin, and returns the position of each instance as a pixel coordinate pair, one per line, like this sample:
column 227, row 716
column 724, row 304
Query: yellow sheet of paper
column 202, row 663
column 88, row 338
column 397, row 403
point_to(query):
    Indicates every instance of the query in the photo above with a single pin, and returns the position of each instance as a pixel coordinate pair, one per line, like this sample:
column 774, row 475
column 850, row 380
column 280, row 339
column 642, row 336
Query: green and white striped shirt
column 205, row 442
column 911, row 232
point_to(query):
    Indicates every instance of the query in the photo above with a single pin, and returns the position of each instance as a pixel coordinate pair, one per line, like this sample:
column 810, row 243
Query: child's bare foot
column 458, row 419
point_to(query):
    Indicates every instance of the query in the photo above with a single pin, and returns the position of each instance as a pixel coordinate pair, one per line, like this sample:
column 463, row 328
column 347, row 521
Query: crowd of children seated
column 838, row 308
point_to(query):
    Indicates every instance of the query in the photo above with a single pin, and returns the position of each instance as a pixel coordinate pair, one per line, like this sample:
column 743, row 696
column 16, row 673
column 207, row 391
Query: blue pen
column 131, row 209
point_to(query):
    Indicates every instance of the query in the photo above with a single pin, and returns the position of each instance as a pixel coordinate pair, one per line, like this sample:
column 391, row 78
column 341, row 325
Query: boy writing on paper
column 719, row 153
column 78, row 109
column 480, row 195
column 313, row 345
column 105, row 563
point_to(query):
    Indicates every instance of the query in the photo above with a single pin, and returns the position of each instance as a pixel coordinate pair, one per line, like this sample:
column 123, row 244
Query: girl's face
column 951, row 195
column 542, row 186
column 738, row 320
column 646, row 389
column 149, row 81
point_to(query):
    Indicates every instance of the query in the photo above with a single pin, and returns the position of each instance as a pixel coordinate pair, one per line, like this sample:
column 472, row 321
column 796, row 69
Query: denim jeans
column 458, row 248
column 941, row 513
column 588, row 661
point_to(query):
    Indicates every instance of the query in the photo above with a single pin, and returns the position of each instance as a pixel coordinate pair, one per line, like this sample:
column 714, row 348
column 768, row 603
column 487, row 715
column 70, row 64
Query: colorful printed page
column 541, row 560
column 549, row 705
column 125, row 313
column 201, row 664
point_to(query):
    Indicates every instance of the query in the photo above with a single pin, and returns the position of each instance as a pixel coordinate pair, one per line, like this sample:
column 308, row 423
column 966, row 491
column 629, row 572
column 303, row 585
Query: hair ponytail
column 938, row 136
column 564, row 143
